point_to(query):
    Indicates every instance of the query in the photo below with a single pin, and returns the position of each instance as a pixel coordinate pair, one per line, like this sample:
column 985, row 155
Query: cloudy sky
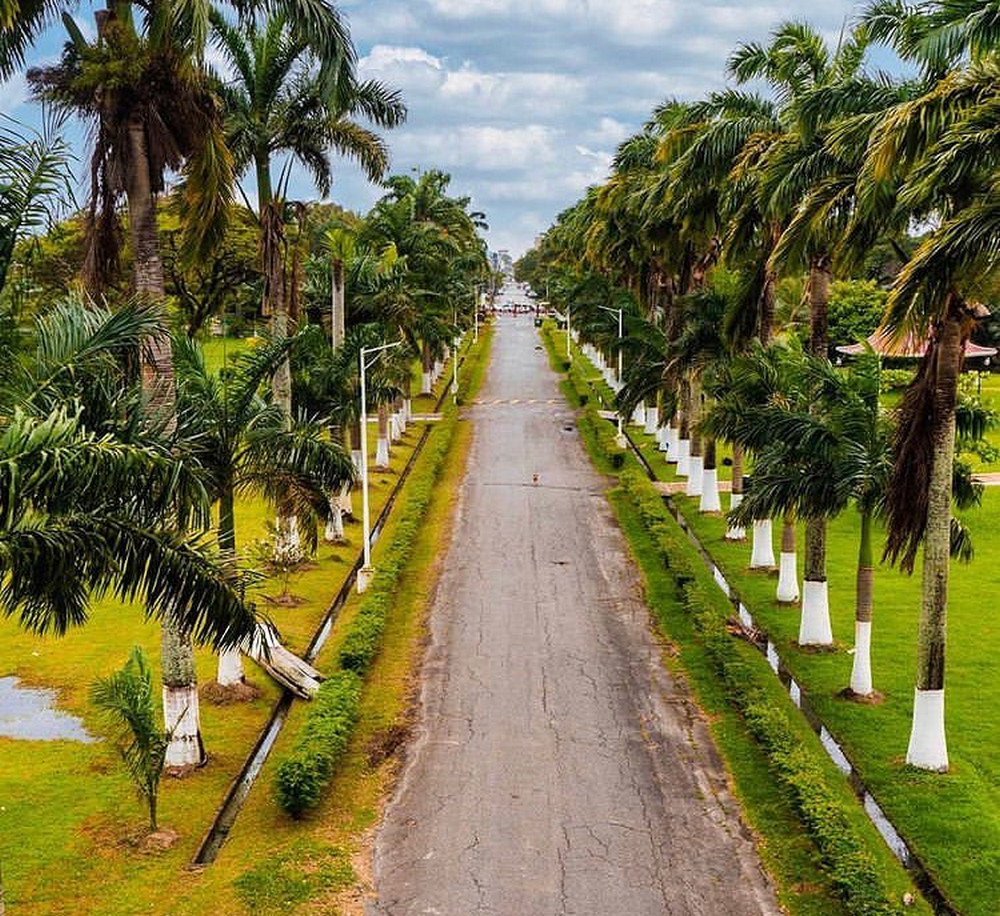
column 524, row 101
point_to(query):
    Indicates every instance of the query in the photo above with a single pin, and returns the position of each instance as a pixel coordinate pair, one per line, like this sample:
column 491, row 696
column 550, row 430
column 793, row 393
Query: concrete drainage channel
column 240, row 788
column 759, row 638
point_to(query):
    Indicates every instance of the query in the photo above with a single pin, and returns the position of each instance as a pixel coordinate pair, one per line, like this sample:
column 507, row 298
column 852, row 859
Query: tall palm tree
column 244, row 445
column 140, row 83
column 285, row 98
column 929, row 157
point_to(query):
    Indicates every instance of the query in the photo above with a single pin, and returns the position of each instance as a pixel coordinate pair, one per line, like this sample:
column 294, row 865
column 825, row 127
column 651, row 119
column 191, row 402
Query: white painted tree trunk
column 230, row 672
column 928, row 748
column 814, row 624
column 861, row 670
column 382, row 453
column 335, row 523
column 710, row 501
column 356, row 458
column 407, row 412
column 287, row 540
column 652, row 422
column 347, row 501
column 395, row 428
column 762, row 550
column 639, row 415
column 426, row 383
column 182, row 718
column 673, row 444
column 694, row 472
column 788, row 579
column 735, row 532
column 683, row 457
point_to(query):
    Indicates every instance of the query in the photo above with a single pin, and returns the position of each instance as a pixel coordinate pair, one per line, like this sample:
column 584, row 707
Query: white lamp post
column 365, row 573
column 569, row 352
column 620, row 438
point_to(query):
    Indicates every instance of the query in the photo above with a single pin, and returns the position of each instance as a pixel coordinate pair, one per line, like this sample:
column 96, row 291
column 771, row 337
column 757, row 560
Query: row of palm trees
column 108, row 407
column 717, row 200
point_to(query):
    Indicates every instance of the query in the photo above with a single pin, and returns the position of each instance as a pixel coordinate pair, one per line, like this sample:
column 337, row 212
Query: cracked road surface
column 559, row 768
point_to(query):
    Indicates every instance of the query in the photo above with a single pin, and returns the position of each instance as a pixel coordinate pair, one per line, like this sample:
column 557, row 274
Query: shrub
column 302, row 775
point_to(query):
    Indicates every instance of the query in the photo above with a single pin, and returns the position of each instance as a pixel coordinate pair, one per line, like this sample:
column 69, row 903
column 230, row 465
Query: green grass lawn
column 70, row 824
column 952, row 822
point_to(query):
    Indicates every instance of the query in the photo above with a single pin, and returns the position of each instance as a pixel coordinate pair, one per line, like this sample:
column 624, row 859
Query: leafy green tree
column 855, row 310
column 125, row 697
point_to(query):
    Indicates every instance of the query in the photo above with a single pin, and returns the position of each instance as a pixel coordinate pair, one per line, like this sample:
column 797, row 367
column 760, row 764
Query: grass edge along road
column 823, row 853
column 95, row 843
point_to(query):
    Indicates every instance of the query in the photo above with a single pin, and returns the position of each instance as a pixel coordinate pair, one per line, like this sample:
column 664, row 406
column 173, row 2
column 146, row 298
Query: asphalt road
column 559, row 768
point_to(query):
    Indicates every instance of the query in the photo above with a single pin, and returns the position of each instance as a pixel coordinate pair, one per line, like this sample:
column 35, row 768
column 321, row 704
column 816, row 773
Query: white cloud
column 525, row 101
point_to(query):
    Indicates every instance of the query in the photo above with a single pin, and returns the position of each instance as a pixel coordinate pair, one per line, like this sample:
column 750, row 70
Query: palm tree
column 828, row 450
column 157, row 113
column 87, row 514
column 927, row 156
column 35, row 183
column 285, row 98
column 126, row 700
column 244, row 445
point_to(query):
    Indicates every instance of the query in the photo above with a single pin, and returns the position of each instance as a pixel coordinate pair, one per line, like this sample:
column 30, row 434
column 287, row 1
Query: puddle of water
column 836, row 754
column 881, row 822
column 30, row 714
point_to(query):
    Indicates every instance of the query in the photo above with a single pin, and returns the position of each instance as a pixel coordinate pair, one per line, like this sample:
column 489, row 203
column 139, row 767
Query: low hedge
column 853, row 872
column 303, row 774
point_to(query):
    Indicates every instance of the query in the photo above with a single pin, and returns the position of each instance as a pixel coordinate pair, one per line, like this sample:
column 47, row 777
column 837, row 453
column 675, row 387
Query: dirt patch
column 213, row 692
column 107, row 837
column 160, row 841
column 872, row 699
column 285, row 600
column 386, row 742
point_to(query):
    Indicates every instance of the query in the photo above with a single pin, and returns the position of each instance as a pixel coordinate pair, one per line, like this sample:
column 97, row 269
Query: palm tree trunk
column 684, row 442
column 181, row 716
column 427, row 362
column 710, row 501
column 788, row 580
column 180, row 687
column 230, row 668
column 814, row 625
column 151, row 798
column 338, row 317
column 736, row 532
column 695, row 457
column 928, row 748
column 861, row 670
column 335, row 524
column 382, row 447
column 272, row 243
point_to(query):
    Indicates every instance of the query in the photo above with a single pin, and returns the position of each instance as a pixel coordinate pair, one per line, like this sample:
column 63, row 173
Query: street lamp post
column 569, row 352
column 365, row 573
column 620, row 438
